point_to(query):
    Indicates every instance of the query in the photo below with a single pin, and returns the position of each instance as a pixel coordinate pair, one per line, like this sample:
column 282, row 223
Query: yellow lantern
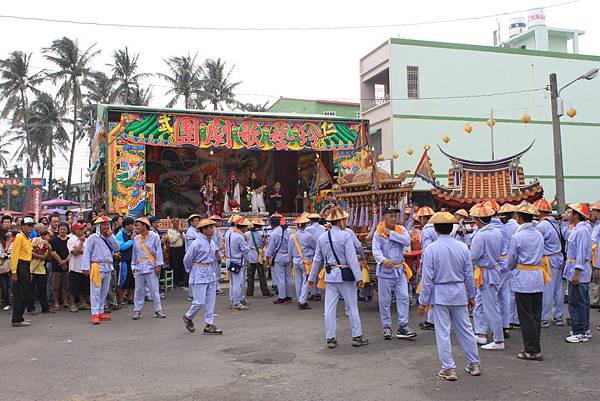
column 571, row 112
column 409, row 151
column 468, row 128
column 490, row 122
column 525, row 118
column 14, row 192
column 446, row 138
column 427, row 146
column 395, row 155
column 381, row 158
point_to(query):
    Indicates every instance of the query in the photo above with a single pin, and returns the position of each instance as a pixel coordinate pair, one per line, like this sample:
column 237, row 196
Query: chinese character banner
column 226, row 132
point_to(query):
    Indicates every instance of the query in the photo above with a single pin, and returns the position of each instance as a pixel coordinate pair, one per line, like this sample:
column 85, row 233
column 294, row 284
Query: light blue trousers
column 217, row 270
column 504, row 297
column 487, row 312
column 385, row 287
column 203, row 295
column 457, row 317
column 143, row 281
column 301, row 284
column 98, row 294
column 282, row 274
column 514, row 316
column 552, row 300
column 237, row 286
column 333, row 292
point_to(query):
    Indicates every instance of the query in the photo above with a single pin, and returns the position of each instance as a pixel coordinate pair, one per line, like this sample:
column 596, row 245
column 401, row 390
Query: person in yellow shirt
column 20, row 261
column 41, row 249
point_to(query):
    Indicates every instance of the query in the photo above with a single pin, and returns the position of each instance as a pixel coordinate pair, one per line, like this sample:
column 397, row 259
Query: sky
column 317, row 64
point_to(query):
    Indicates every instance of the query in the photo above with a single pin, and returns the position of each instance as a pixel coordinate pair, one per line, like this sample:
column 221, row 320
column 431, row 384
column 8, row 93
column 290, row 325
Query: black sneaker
column 331, row 342
column 211, row 329
column 359, row 341
column 159, row 314
column 515, row 326
column 387, row 333
column 405, row 332
column 280, row 301
column 304, row 306
column 426, row 326
column 189, row 324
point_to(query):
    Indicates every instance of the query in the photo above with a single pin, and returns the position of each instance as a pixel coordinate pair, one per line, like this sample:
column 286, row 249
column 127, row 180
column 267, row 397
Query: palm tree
column 140, row 96
column 3, row 155
column 184, row 78
column 217, row 87
column 47, row 132
column 251, row 107
column 100, row 88
column 73, row 66
column 18, row 83
column 124, row 69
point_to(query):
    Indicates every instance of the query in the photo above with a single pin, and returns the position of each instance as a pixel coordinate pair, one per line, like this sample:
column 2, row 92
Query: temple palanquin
column 472, row 181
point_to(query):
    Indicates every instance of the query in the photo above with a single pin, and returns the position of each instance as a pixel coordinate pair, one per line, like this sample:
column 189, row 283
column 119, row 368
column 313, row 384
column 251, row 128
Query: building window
column 412, row 81
column 376, row 142
column 329, row 113
column 358, row 114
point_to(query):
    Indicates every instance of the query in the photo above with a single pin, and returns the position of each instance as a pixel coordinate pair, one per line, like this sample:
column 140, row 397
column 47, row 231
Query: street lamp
column 557, row 111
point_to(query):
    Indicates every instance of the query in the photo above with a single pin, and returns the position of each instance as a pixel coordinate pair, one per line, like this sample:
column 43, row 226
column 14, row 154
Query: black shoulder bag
column 233, row 267
column 280, row 243
column 347, row 274
column 563, row 244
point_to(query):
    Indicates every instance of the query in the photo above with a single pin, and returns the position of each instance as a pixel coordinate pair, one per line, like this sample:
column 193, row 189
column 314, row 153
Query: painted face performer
column 393, row 274
column 208, row 196
column 336, row 264
column 146, row 261
column 257, row 197
column 232, row 195
column 199, row 261
column 98, row 261
column 448, row 286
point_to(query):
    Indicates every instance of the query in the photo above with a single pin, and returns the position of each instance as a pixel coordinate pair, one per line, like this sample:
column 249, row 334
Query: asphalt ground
column 270, row 352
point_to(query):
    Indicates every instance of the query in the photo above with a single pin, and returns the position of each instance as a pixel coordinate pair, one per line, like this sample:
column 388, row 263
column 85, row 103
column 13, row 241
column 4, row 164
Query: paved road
column 270, row 352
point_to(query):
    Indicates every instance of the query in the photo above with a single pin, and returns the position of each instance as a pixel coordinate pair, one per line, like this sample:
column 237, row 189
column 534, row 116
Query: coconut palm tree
column 18, row 83
column 125, row 71
column 184, row 78
column 73, row 66
column 140, row 96
column 100, row 88
column 217, row 87
column 3, row 155
column 48, row 132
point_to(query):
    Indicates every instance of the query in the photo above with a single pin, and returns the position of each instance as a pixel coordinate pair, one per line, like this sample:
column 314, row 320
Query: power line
column 280, row 28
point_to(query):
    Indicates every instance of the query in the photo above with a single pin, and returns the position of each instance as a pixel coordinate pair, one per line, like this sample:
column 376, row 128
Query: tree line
column 46, row 125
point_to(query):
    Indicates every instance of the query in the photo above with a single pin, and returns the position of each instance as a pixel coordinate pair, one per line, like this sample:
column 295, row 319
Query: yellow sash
column 202, row 264
column 307, row 263
column 381, row 226
column 594, row 254
column 529, row 268
column 478, row 276
column 95, row 274
column 321, row 281
column 151, row 257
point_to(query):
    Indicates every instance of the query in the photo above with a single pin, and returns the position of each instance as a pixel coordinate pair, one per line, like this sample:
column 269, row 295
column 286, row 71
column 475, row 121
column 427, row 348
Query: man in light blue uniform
column 528, row 281
column 510, row 319
column 199, row 260
column 336, row 254
column 553, row 292
column 504, row 291
column 315, row 229
column 389, row 242
column 192, row 232
column 278, row 256
column 238, row 249
column 428, row 235
column 302, row 248
column 485, row 254
column 98, row 252
column 217, row 238
column 448, row 286
column 146, row 261
column 578, row 272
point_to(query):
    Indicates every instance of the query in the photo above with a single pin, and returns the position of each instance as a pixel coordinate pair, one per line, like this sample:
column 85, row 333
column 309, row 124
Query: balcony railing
column 368, row 105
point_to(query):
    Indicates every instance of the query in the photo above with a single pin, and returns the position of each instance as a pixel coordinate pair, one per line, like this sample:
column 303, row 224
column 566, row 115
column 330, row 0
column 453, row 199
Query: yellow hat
column 302, row 219
column 206, row 223
column 242, row 221
column 233, row 218
column 462, row 212
column 443, row 218
column 595, row 206
column 216, row 217
column 194, row 215
column 480, row 210
column 424, row 211
column 581, row 208
column 543, row 205
column 527, row 208
column 507, row 208
column 144, row 220
column 337, row 213
column 257, row 222
column 314, row 216
column 492, row 204
column 102, row 219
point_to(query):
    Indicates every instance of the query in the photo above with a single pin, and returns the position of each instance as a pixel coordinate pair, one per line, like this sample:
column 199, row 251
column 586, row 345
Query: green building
column 309, row 106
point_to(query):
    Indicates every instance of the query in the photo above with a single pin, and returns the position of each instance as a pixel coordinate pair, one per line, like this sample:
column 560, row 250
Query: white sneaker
column 7, row 308
column 576, row 338
column 545, row 324
column 481, row 340
column 588, row 334
column 239, row 307
column 493, row 346
column 558, row 322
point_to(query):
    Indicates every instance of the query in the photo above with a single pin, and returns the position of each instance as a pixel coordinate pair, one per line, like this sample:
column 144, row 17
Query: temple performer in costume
column 276, row 199
column 208, row 196
column 257, row 199
column 232, row 195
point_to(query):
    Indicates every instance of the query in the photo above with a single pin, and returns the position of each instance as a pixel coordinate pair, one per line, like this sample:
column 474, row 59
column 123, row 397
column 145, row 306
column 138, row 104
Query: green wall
column 300, row 106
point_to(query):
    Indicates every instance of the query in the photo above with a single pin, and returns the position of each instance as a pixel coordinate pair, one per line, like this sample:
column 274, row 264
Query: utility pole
column 556, row 139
